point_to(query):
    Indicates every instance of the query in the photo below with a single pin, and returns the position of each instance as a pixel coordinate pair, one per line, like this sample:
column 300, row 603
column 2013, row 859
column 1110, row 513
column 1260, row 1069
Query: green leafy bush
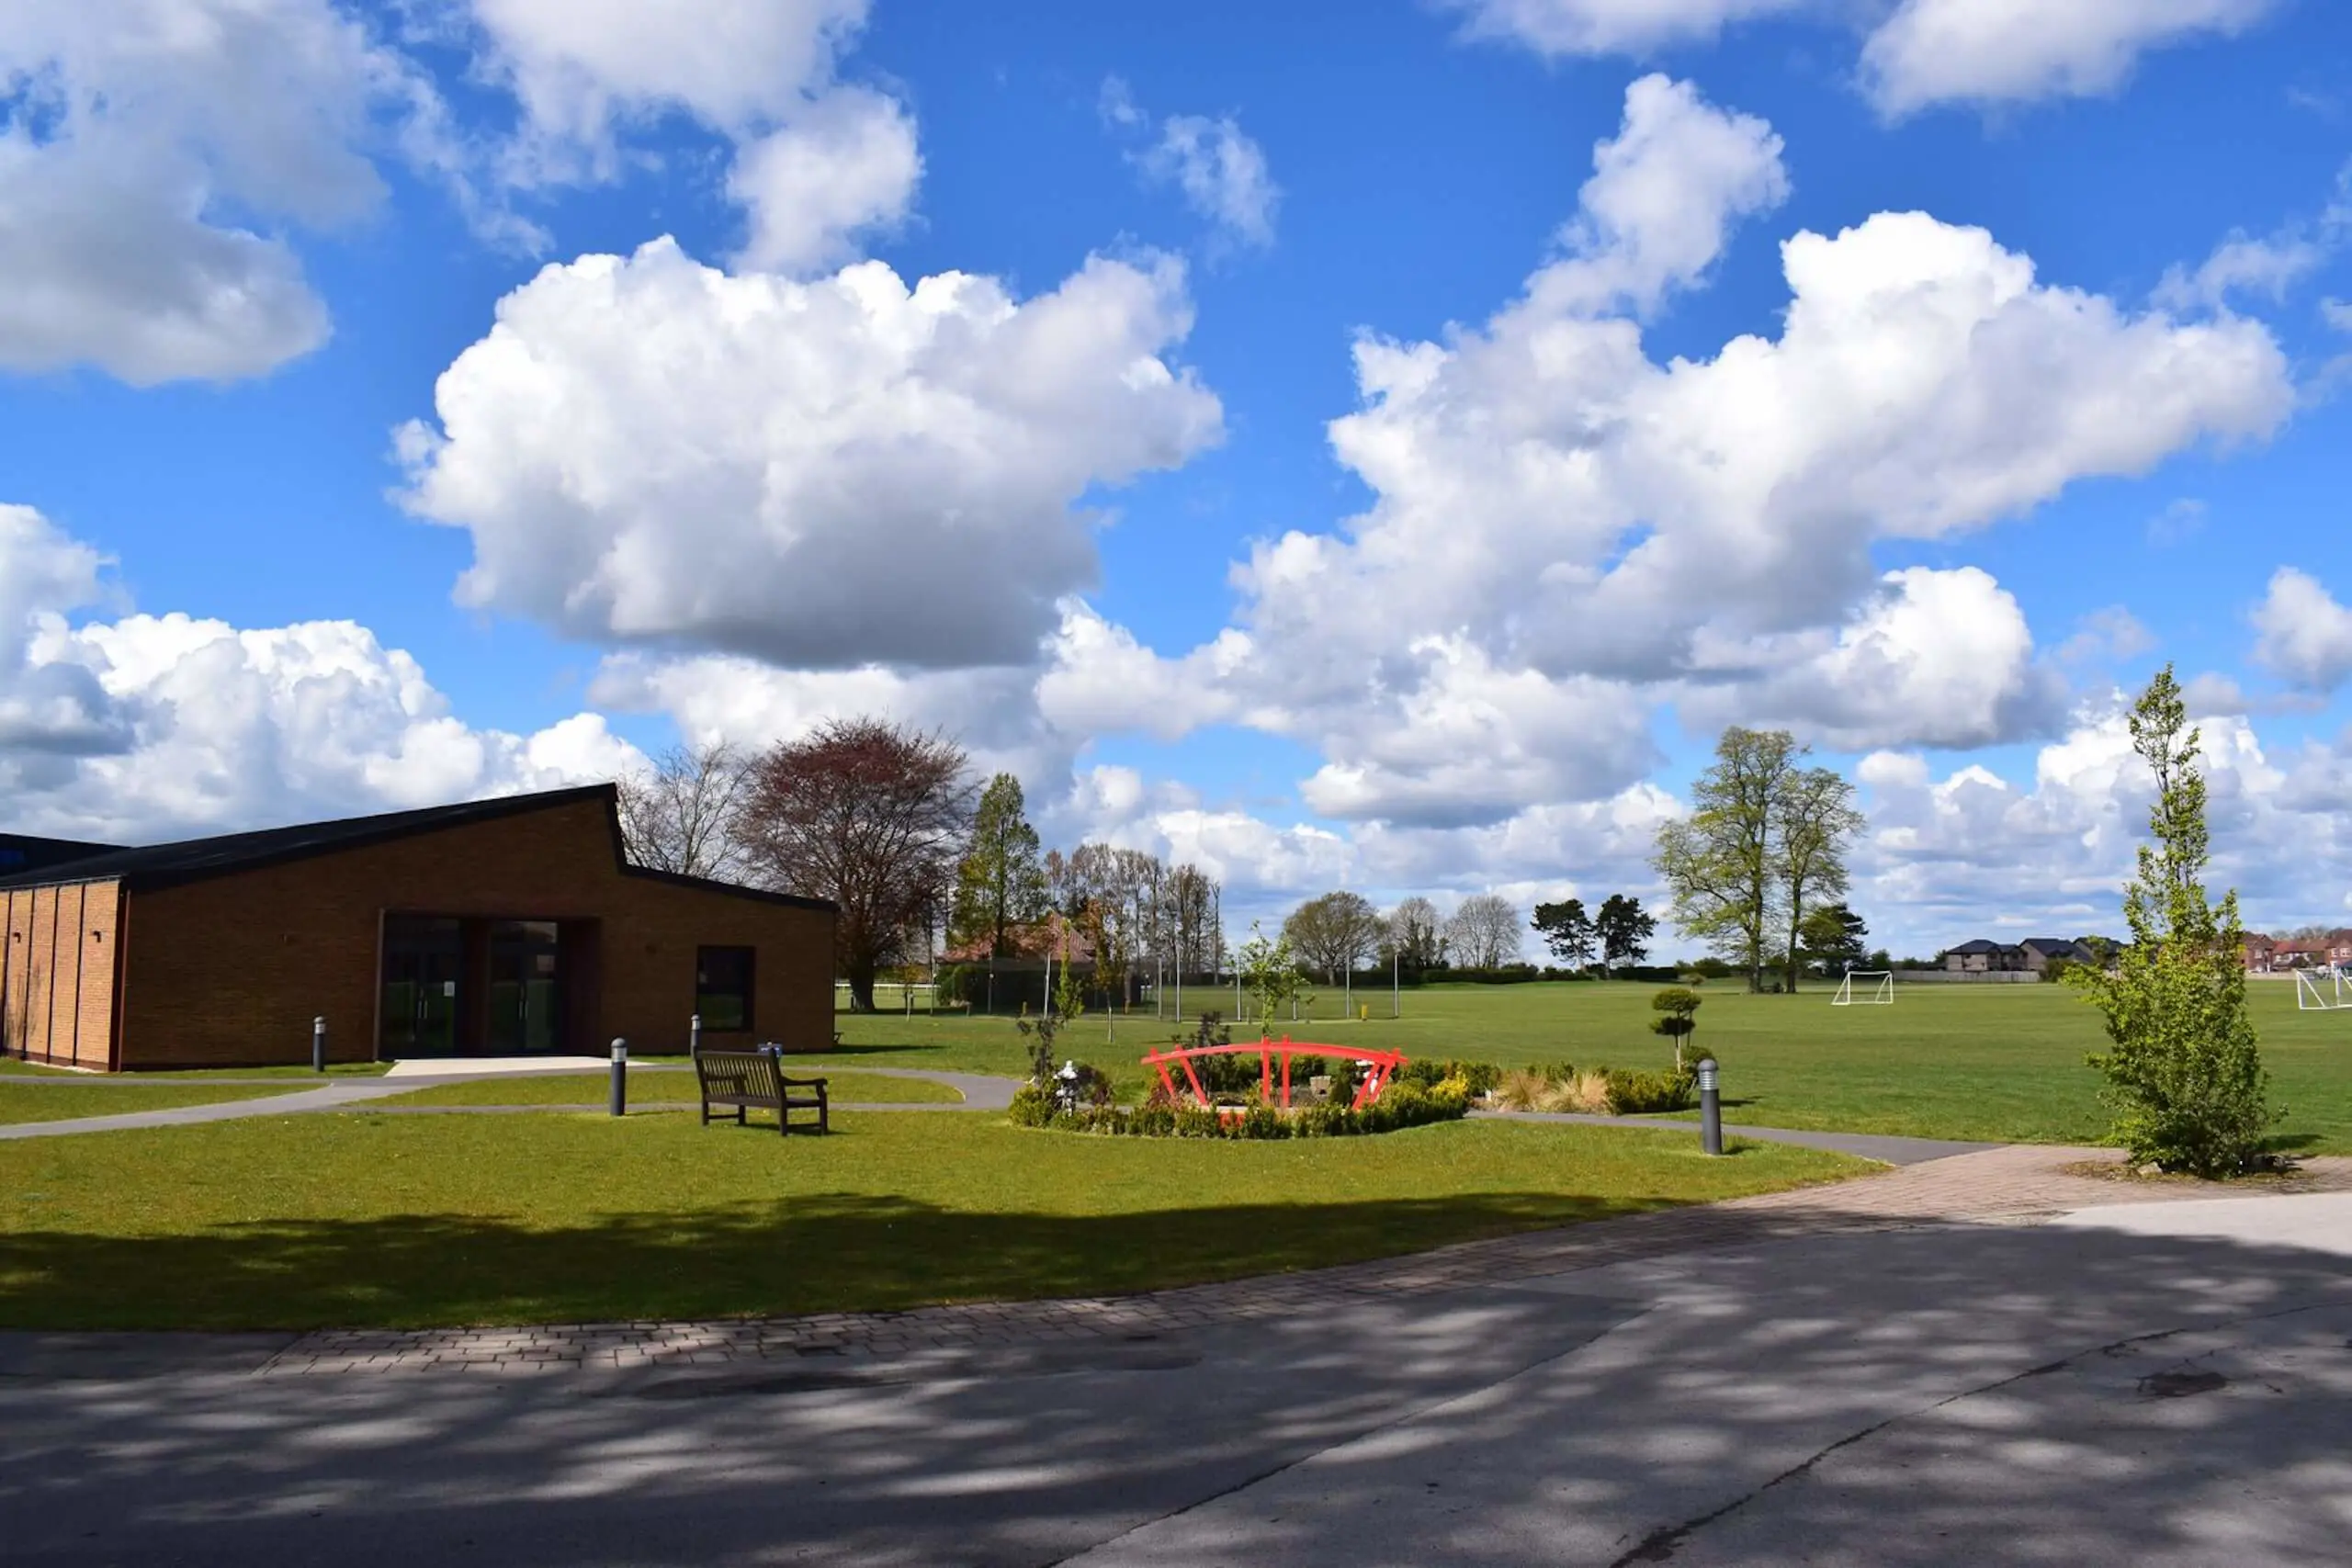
column 1425, row 1073
column 1347, row 1076
column 1641, row 1094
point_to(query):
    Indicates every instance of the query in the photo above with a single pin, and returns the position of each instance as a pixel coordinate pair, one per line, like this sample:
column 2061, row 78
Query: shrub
column 1584, row 1092
column 1426, row 1073
column 1032, row 1106
column 1639, row 1094
column 1525, row 1088
column 1347, row 1076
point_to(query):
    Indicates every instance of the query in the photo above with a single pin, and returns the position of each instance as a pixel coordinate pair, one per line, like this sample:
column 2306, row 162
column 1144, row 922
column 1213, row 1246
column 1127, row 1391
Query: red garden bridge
column 1381, row 1066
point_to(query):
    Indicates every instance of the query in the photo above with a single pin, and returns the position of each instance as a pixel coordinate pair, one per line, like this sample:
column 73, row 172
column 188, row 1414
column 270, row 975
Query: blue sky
column 1375, row 445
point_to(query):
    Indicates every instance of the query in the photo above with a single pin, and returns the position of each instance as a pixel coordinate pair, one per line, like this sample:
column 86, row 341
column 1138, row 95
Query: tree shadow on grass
column 802, row 1255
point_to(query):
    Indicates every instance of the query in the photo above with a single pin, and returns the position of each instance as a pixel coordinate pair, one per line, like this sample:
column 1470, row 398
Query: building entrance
column 462, row 987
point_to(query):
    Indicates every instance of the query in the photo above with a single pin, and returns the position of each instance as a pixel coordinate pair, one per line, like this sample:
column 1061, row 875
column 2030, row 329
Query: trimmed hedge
column 1399, row 1106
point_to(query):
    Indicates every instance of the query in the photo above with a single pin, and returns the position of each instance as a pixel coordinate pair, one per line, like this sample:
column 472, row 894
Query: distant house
column 2299, row 952
column 2041, row 952
column 2033, row 955
column 2261, row 953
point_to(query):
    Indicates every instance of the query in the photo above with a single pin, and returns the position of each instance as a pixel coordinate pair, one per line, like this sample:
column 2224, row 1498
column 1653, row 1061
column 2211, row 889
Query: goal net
column 2322, row 990
column 1877, row 986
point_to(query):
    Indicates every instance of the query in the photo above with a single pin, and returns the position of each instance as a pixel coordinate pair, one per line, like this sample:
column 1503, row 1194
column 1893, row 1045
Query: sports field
column 1990, row 1062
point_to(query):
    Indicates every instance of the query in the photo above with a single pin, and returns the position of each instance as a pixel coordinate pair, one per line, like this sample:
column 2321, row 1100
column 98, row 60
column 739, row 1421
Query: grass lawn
column 61, row 1102
column 666, row 1089
column 2001, row 1063
column 357, row 1219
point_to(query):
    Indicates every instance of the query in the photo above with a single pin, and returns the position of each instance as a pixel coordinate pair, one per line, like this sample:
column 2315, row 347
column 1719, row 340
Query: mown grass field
column 358, row 1219
column 65, row 1101
column 665, row 1088
column 2001, row 1063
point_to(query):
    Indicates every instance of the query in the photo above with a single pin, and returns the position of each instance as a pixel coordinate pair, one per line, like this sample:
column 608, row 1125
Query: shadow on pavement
column 1954, row 1395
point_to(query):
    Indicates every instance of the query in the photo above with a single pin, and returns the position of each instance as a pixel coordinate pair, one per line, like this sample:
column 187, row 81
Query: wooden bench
column 745, row 1081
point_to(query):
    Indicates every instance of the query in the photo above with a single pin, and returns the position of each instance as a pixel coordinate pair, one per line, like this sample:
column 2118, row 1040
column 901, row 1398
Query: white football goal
column 2324, row 990
column 1877, row 987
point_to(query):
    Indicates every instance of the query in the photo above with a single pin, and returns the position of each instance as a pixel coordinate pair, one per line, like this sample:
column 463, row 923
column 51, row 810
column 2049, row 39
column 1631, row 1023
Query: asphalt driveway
column 2087, row 1392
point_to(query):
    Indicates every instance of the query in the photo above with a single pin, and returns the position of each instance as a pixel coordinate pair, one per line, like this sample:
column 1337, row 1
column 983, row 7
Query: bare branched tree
column 873, row 817
column 683, row 813
column 1484, row 932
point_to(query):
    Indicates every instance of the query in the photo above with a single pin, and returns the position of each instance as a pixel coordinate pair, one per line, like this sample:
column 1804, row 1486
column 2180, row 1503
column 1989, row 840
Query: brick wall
column 231, row 971
column 56, row 991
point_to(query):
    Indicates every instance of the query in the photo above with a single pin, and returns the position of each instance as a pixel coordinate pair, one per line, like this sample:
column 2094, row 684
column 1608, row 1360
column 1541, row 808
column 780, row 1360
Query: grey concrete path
column 980, row 1092
column 335, row 1094
column 1885, row 1148
column 1948, row 1393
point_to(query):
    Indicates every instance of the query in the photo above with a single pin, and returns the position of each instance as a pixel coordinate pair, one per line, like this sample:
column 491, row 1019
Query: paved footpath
column 980, row 1092
column 1992, row 1357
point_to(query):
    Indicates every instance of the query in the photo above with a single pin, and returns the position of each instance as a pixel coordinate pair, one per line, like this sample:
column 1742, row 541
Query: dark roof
column 194, row 860
column 22, row 851
column 2050, row 944
column 1979, row 945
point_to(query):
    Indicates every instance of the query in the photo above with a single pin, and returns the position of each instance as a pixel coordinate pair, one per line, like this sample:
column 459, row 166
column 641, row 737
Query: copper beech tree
column 871, row 816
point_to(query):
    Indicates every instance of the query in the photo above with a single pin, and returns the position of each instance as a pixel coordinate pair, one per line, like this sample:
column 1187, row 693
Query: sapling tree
column 2184, row 1073
column 1676, row 1007
column 1270, row 973
column 1062, row 1009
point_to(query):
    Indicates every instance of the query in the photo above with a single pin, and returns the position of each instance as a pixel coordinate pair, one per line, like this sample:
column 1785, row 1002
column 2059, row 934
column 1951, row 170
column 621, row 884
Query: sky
column 1375, row 445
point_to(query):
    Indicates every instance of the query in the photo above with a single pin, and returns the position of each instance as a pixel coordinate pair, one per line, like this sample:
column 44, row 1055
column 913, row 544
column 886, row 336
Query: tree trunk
column 1796, row 918
column 861, row 987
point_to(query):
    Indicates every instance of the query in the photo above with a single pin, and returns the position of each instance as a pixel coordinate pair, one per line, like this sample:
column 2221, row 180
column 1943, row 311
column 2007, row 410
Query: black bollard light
column 318, row 1044
column 1711, row 1111
column 694, row 1038
column 620, row 1078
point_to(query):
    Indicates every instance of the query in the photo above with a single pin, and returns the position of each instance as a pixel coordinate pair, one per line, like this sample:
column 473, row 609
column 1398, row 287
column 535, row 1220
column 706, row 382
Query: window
column 723, row 988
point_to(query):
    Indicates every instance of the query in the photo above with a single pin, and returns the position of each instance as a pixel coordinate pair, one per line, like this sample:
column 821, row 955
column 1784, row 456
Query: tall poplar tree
column 1001, row 883
column 2184, row 1073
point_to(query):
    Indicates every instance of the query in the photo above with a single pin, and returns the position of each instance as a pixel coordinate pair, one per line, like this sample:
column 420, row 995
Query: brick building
column 495, row 928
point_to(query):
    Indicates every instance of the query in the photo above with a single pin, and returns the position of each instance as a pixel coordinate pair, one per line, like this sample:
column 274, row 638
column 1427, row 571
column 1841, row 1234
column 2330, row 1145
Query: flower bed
column 1400, row 1105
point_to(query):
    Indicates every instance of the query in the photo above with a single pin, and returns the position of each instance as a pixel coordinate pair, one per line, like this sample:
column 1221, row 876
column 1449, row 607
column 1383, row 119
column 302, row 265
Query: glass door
column 423, row 963
column 526, row 990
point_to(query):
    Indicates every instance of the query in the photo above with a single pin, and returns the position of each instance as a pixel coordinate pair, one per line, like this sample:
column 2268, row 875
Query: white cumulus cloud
column 826, row 474
column 1975, row 855
column 1932, row 51
column 1664, row 193
column 1935, row 658
column 1566, row 532
column 819, row 163
column 1611, row 26
column 2304, row 635
column 154, row 726
column 148, row 151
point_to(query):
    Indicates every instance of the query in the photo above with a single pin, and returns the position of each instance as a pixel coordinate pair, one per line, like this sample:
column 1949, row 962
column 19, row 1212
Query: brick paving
column 2018, row 1185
